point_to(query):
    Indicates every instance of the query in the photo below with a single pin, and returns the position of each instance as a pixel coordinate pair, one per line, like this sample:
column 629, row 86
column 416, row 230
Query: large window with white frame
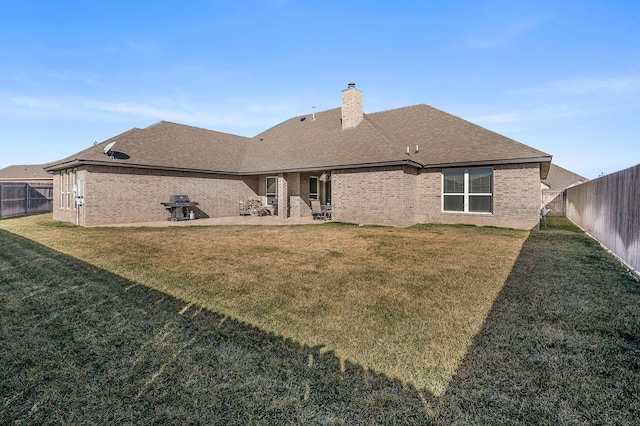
column 467, row 190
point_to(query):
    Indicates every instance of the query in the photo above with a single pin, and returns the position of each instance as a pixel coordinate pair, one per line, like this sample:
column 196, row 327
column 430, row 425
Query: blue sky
column 561, row 76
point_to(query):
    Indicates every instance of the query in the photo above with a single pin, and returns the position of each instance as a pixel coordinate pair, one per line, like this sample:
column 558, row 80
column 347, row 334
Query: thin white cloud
column 601, row 86
column 503, row 36
column 140, row 46
column 240, row 116
column 571, row 97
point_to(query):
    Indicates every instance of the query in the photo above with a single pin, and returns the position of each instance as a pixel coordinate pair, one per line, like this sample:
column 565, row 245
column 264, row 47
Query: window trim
column 68, row 179
column 466, row 191
column 314, row 195
column 266, row 189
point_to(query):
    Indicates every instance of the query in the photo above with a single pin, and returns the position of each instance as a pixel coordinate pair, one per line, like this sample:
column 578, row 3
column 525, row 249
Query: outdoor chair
column 316, row 210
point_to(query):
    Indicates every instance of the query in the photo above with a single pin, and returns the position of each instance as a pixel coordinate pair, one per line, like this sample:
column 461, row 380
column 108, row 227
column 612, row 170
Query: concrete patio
column 229, row 220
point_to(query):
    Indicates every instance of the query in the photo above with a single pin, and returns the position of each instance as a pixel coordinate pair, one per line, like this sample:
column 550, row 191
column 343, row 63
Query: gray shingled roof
column 560, row 178
column 25, row 172
column 168, row 146
column 445, row 139
column 305, row 143
column 383, row 137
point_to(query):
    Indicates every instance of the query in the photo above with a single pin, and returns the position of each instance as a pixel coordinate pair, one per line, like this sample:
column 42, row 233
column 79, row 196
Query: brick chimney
column 351, row 107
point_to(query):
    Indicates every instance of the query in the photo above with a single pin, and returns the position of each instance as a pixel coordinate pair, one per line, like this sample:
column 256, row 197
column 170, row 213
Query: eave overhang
column 544, row 161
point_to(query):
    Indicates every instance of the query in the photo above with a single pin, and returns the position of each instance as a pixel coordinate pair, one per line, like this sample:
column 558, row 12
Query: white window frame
column 62, row 188
column 73, row 189
column 466, row 192
column 314, row 195
column 68, row 179
column 266, row 190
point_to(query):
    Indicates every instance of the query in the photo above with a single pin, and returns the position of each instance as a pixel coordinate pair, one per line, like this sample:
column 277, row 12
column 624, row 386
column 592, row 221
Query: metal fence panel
column 21, row 199
column 609, row 209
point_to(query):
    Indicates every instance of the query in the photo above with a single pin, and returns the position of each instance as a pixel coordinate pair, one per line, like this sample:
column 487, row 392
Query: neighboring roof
column 166, row 145
column 25, row 172
column 316, row 142
column 559, row 178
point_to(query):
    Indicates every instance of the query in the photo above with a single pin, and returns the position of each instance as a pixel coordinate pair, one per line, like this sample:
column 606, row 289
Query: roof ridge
column 389, row 139
column 173, row 123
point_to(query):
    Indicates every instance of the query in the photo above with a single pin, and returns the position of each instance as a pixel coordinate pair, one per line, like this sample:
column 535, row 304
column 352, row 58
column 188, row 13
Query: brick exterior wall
column 295, row 198
column 516, row 199
column 127, row 195
column 393, row 196
column 381, row 196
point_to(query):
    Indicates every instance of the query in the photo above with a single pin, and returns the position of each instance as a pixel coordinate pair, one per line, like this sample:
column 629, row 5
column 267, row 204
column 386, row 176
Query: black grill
column 179, row 199
column 178, row 206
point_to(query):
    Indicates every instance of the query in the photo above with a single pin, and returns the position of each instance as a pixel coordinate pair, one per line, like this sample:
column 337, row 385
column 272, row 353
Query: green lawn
column 314, row 325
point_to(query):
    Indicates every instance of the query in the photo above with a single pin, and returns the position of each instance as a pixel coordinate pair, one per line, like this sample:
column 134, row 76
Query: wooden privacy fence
column 21, row 199
column 609, row 209
column 553, row 199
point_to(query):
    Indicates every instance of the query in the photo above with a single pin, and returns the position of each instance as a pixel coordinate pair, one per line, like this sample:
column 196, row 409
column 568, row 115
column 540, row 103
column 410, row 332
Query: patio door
column 272, row 190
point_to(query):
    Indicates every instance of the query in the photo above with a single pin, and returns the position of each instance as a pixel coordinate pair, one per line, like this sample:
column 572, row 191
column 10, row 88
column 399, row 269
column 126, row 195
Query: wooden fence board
column 21, row 199
column 609, row 209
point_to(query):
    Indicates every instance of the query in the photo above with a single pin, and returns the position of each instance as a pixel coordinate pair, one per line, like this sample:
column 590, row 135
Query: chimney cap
column 351, row 85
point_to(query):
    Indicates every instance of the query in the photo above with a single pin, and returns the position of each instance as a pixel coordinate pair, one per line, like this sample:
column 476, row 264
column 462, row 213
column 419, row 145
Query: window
column 272, row 190
column 73, row 189
column 313, row 188
column 68, row 179
column 63, row 188
column 467, row 190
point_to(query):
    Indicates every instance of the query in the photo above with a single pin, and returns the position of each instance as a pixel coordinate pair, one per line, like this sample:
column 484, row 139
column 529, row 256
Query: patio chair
column 316, row 210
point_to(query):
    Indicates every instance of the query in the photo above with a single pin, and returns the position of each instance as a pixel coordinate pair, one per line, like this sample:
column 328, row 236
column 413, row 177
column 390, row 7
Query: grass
column 314, row 325
column 398, row 302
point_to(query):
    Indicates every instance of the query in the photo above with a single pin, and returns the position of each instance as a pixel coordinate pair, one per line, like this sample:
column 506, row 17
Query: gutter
column 490, row 162
column 407, row 162
column 77, row 163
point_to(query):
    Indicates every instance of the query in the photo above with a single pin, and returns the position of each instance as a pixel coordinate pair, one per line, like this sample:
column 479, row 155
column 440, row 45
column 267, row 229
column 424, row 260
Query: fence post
column 26, row 198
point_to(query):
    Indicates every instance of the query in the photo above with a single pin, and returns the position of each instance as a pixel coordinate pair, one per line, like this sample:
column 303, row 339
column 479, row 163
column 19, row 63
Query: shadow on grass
column 561, row 344
column 81, row 345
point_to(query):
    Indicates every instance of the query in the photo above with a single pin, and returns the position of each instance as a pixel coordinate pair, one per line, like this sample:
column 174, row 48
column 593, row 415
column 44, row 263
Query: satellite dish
column 107, row 149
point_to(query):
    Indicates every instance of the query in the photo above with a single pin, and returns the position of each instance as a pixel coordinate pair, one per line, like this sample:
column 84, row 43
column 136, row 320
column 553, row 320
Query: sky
column 560, row 76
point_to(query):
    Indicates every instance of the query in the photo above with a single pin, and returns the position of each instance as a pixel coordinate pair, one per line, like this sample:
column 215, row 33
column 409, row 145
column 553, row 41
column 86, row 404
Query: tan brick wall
column 295, row 198
column 126, row 195
column 305, row 203
column 351, row 108
column 516, row 201
column 64, row 213
column 381, row 196
column 394, row 196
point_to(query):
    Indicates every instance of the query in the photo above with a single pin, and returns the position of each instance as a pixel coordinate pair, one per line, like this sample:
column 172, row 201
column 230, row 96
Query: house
column 558, row 179
column 26, row 173
column 24, row 190
column 398, row 167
